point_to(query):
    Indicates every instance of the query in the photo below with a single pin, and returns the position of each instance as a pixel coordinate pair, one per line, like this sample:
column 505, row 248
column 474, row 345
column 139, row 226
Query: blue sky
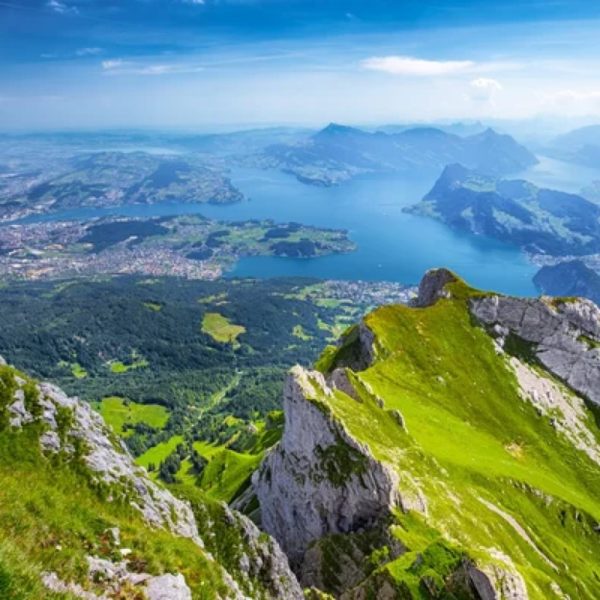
column 225, row 63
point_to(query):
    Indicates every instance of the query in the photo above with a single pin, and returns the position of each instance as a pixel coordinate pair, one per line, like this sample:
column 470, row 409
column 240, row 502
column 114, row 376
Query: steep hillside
column 79, row 520
column 445, row 450
column 539, row 220
column 338, row 153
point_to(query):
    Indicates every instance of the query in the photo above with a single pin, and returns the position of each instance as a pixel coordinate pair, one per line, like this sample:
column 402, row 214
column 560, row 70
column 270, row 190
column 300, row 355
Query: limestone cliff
column 564, row 335
column 319, row 480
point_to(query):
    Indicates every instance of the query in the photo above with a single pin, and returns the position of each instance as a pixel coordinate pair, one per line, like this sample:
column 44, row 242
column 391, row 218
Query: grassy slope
column 50, row 521
column 220, row 328
column 52, row 517
column 117, row 413
column 229, row 470
column 54, row 514
column 463, row 416
column 226, row 470
column 158, row 453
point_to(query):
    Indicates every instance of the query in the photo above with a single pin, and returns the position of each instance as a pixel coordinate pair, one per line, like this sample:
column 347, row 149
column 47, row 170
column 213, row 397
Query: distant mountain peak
column 489, row 133
column 453, row 174
column 456, row 170
column 336, row 129
column 541, row 221
column 425, row 131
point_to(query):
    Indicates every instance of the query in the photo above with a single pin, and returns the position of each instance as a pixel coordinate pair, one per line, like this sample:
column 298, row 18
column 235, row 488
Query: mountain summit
column 445, row 450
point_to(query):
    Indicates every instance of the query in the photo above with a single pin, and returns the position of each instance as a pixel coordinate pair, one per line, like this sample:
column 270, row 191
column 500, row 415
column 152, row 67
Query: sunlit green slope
column 487, row 478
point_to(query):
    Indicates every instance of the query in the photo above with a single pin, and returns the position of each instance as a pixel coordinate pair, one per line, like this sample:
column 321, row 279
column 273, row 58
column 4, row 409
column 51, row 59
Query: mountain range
column 338, row 153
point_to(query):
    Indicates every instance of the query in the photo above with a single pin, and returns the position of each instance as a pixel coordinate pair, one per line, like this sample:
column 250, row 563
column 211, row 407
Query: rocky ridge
column 365, row 505
column 563, row 335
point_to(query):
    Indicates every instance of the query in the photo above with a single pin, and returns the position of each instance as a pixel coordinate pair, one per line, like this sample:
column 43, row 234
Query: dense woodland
column 142, row 339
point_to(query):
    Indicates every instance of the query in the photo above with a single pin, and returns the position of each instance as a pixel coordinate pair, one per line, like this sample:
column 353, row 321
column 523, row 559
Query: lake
column 392, row 245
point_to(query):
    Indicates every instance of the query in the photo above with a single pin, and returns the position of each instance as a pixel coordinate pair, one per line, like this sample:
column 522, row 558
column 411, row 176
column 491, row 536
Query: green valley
column 190, row 387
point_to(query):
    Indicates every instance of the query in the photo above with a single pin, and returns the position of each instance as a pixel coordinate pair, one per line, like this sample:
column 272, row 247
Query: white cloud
column 119, row 66
column 416, row 67
column 88, row 51
column 160, row 69
column 61, row 7
column 114, row 63
column 484, row 89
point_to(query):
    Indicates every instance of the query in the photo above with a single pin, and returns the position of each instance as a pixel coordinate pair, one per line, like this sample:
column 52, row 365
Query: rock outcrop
column 319, row 480
column 72, row 426
column 564, row 336
column 433, row 287
column 115, row 577
column 357, row 348
column 261, row 559
column 566, row 411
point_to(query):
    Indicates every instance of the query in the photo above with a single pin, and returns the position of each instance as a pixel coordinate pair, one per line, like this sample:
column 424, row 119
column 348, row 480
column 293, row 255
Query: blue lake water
column 392, row 245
